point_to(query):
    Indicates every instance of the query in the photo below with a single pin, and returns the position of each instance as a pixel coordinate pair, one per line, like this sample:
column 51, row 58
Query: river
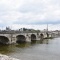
column 48, row 49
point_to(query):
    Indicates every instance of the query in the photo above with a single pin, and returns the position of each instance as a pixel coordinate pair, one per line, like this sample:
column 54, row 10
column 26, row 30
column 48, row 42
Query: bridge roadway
column 9, row 38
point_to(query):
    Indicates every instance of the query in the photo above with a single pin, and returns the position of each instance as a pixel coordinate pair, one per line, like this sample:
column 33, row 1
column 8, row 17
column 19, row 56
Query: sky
column 34, row 14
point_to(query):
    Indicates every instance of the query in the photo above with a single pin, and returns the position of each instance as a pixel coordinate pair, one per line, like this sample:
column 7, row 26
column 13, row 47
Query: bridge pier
column 28, row 38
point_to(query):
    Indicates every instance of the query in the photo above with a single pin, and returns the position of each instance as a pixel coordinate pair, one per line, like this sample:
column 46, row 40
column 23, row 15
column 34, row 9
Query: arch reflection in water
column 44, row 41
column 23, row 45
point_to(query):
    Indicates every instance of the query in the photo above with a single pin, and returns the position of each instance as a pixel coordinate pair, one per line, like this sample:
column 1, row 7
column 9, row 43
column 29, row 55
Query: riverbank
column 4, row 57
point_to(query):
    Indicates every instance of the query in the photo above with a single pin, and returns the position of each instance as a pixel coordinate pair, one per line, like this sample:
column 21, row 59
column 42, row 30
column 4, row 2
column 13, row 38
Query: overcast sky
column 30, row 14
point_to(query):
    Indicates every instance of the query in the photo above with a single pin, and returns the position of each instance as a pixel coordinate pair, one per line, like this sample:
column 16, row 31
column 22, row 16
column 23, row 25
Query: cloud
column 29, row 12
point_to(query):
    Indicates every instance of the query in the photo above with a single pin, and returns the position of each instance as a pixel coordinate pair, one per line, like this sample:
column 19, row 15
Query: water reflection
column 45, row 41
column 36, row 50
column 23, row 45
column 33, row 42
column 5, row 49
column 41, row 41
column 8, row 49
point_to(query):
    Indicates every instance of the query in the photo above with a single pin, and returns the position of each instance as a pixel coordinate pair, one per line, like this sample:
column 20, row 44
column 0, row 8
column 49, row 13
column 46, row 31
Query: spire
column 47, row 27
column 47, row 31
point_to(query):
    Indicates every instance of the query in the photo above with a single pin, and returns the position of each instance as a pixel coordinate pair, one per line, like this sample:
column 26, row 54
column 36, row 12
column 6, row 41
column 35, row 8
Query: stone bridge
column 9, row 38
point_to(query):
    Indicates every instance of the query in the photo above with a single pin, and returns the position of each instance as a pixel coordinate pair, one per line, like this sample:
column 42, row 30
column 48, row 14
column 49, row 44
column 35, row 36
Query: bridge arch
column 20, row 38
column 33, row 37
column 41, row 36
column 4, row 40
column 47, row 34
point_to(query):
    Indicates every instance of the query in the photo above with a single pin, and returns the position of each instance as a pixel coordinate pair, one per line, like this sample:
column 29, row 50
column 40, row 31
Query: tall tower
column 47, row 31
column 47, row 28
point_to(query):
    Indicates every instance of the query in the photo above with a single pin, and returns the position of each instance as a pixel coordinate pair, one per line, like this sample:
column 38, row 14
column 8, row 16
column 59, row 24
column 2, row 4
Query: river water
column 39, row 50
